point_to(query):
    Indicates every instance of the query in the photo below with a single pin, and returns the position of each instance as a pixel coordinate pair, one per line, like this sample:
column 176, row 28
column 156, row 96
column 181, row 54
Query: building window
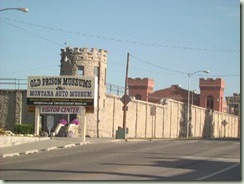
column 81, row 71
column 105, row 76
column 138, row 97
column 210, row 102
column 96, row 73
column 236, row 110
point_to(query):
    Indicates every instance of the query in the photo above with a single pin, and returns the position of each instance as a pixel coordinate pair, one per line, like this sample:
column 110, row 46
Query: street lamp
column 18, row 9
column 188, row 99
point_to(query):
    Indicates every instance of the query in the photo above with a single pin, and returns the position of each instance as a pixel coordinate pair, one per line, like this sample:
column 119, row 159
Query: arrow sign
column 125, row 99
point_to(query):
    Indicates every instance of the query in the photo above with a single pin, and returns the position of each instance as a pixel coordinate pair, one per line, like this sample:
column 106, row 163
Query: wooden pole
column 126, row 83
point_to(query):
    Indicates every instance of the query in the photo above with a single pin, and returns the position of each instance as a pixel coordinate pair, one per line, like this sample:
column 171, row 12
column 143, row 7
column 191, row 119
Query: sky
column 166, row 39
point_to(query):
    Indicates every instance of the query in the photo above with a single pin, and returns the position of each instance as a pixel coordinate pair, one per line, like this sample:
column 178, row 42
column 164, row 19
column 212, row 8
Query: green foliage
column 23, row 129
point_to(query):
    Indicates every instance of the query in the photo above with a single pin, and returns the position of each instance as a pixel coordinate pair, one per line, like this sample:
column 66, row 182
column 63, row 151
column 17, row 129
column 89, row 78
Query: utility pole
column 125, row 94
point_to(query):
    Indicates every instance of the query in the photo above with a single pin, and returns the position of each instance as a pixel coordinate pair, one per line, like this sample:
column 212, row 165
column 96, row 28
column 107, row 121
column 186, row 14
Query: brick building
column 233, row 104
column 140, row 88
column 174, row 92
column 211, row 93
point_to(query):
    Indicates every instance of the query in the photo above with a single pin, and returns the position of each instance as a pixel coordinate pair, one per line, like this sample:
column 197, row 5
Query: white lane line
column 210, row 158
column 218, row 172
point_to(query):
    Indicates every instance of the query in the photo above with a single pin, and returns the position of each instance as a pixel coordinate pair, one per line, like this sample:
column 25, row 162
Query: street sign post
column 50, row 122
column 125, row 108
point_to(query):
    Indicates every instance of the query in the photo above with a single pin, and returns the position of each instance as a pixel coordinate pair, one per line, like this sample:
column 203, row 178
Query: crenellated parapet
column 73, row 59
column 211, row 83
column 146, row 82
column 76, row 54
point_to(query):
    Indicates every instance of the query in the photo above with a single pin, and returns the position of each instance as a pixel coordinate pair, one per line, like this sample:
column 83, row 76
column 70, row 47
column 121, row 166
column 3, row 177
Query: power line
column 120, row 40
column 34, row 34
column 157, row 66
column 136, row 68
column 171, row 70
column 56, row 43
column 181, row 72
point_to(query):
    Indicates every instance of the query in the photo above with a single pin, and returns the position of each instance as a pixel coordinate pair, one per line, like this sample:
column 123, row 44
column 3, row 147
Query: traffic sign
column 224, row 123
column 125, row 99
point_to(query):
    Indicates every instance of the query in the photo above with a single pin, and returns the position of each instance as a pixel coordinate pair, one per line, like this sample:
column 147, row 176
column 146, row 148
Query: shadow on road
column 195, row 169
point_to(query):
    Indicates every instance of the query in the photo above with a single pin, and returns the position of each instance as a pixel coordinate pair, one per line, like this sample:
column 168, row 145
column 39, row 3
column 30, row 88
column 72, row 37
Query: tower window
column 81, row 71
column 138, row 97
column 210, row 102
column 96, row 72
column 105, row 76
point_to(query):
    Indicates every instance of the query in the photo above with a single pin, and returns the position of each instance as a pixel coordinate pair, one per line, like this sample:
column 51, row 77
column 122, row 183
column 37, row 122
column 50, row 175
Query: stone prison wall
column 144, row 120
column 149, row 120
column 13, row 109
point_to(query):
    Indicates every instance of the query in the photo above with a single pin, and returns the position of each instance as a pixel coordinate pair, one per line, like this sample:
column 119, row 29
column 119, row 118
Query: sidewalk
column 48, row 145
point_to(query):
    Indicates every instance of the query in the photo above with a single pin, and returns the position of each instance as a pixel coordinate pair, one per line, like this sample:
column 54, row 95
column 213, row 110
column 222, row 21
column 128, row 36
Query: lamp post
column 18, row 9
column 188, row 99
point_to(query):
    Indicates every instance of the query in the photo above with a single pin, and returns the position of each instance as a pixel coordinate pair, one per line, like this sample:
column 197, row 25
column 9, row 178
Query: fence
column 14, row 83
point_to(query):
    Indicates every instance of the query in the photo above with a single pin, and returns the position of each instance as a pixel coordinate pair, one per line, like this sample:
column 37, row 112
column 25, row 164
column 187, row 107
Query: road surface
column 177, row 160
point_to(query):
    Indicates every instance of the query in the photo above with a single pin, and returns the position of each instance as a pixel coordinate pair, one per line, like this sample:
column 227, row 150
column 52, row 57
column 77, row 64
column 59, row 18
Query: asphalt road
column 177, row 160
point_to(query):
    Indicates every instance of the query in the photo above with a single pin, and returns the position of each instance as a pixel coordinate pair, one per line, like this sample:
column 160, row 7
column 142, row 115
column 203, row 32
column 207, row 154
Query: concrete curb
column 131, row 140
column 81, row 143
column 50, row 149
column 9, row 155
column 67, row 146
column 31, row 152
column 5, row 155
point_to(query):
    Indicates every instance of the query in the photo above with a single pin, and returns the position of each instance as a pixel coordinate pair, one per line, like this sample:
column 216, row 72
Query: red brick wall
column 174, row 92
column 140, row 87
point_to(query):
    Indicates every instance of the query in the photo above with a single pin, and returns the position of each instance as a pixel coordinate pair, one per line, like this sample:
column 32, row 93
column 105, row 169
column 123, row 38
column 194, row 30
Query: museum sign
column 62, row 90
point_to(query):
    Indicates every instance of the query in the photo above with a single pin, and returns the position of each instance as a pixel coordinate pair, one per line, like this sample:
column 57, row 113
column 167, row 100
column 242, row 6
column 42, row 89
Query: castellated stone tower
column 84, row 62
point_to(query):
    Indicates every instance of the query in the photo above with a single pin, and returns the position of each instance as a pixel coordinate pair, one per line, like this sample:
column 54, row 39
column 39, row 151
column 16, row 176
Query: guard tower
column 212, row 93
column 84, row 62
column 140, row 88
